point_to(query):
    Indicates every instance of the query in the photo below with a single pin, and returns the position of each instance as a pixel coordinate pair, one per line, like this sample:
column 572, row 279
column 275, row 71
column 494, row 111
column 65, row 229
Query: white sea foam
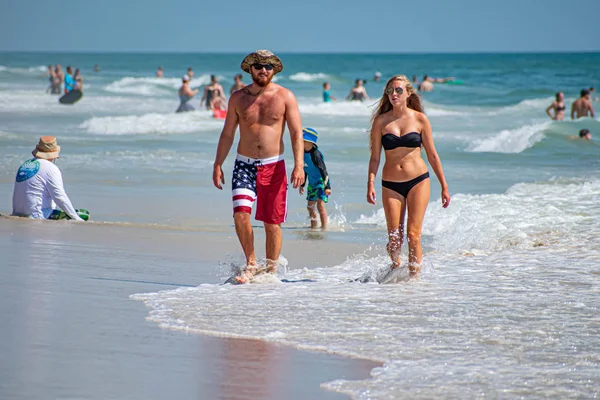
column 528, row 215
column 306, row 77
column 151, row 86
column 153, row 123
column 34, row 102
column 510, row 140
column 462, row 325
column 24, row 71
column 350, row 109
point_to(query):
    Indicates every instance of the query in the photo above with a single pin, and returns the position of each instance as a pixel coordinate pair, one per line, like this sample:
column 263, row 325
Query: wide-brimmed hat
column 262, row 57
column 46, row 148
column 310, row 135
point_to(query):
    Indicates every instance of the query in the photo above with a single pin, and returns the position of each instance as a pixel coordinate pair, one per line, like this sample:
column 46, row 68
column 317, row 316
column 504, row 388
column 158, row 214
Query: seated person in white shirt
column 39, row 187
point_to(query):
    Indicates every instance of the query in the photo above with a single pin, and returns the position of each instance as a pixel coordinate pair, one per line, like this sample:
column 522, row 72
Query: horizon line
column 470, row 52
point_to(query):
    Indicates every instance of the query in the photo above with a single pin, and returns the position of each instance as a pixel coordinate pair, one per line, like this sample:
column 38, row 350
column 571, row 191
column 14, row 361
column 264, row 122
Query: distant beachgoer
column 427, row 84
column 585, row 134
column 185, row 95
column 415, row 81
column 237, row 84
column 39, row 186
column 377, row 76
column 59, row 77
column 582, row 107
column 212, row 91
column 358, row 92
column 190, row 73
column 592, row 92
column 69, row 81
column 51, row 78
column 78, row 80
column 96, row 68
column 315, row 173
column 558, row 106
column 327, row 97
column 159, row 72
column 400, row 127
column 262, row 110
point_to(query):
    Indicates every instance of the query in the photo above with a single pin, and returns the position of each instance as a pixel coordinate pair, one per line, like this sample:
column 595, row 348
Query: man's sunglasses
column 391, row 90
column 259, row 66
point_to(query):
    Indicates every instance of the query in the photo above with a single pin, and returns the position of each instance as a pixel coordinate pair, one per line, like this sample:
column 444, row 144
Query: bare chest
column 262, row 110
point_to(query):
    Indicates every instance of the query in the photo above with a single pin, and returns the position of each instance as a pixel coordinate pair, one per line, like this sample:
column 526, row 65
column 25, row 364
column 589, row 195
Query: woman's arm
column 434, row 159
column 374, row 160
column 550, row 107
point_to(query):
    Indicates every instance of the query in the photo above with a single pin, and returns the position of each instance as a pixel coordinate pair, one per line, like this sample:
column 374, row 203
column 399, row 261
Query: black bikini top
column 391, row 141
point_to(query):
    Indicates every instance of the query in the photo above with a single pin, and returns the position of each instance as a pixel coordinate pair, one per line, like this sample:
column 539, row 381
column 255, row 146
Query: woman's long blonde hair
column 413, row 101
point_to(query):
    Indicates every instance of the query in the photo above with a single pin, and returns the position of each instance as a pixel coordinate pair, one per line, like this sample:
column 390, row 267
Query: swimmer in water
column 327, row 97
column 427, row 84
column 582, row 107
column 358, row 92
column 185, row 95
column 237, row 84
column 558, row 106
column 212, row 91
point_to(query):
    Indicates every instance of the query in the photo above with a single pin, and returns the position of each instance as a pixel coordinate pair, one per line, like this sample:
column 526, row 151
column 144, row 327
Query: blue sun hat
column 310, row 135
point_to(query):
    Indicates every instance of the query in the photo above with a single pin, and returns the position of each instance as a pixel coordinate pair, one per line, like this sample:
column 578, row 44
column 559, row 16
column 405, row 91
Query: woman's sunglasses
column 259, row 66
column 391, row 90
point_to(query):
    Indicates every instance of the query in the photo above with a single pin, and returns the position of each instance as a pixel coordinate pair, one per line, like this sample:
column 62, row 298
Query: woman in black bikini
column 401, row 128
column 558, row 106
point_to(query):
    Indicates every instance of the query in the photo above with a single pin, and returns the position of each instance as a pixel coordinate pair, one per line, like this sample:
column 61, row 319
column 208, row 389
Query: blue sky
column 311, row 25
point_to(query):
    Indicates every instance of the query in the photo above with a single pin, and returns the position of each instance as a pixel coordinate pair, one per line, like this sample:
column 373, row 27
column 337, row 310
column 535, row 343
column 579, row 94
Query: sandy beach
column 70, row 330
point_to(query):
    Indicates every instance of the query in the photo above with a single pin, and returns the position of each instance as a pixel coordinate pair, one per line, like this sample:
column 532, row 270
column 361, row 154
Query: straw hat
column 262, row 57
column 47, row 148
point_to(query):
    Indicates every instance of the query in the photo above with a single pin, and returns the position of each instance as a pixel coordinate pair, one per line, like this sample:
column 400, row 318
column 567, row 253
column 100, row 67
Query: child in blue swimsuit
column 319, row 186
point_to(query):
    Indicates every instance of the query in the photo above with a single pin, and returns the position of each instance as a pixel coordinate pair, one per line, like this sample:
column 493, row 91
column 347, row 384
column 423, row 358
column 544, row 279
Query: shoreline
column 67, row 303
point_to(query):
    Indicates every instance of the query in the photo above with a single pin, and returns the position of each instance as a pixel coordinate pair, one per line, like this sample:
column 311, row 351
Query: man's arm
column 294, row 123
column 58, row 194
column 573, row 110
column 222, row 93
column 225, row 141
column 591, row 109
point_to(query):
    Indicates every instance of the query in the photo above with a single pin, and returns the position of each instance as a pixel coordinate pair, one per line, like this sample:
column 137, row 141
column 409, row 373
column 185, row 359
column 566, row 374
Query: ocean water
column 508, row 303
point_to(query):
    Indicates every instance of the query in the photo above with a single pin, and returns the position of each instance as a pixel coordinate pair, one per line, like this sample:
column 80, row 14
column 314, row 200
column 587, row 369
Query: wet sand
column 70, row 330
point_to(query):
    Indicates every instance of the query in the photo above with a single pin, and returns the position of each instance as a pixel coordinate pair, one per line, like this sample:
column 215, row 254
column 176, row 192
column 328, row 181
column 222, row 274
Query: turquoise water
column 520, row 235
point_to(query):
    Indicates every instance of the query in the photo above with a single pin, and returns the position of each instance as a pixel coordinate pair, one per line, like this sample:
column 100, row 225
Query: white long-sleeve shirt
column 38, row 189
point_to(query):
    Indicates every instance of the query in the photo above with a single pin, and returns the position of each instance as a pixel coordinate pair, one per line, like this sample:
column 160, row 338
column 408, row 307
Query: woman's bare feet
column 414, row 270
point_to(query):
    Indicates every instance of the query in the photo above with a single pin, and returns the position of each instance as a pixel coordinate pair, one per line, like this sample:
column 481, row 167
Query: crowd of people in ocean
column 214, row 99
column 72, row 80
column 582, row 107
column 399, row 130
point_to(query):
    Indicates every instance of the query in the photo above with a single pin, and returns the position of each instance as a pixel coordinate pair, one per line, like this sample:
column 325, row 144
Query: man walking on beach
column 261, row 110
column 582, row 106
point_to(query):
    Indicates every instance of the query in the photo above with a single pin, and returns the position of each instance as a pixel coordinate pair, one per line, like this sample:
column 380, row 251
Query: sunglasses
column 258, row 66
column 391, row 90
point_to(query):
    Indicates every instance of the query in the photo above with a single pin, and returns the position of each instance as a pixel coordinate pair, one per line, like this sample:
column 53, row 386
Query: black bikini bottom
column 402, row 188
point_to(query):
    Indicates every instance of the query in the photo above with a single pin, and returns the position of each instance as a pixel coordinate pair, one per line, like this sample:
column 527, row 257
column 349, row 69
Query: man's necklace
column 247, row 91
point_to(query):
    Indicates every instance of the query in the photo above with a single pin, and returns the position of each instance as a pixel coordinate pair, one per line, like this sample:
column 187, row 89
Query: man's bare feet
column 271, row 267
column 246, row 273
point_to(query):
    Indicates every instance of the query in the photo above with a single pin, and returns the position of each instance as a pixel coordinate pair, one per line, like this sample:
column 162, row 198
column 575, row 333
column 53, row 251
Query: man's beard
column 262, row 82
